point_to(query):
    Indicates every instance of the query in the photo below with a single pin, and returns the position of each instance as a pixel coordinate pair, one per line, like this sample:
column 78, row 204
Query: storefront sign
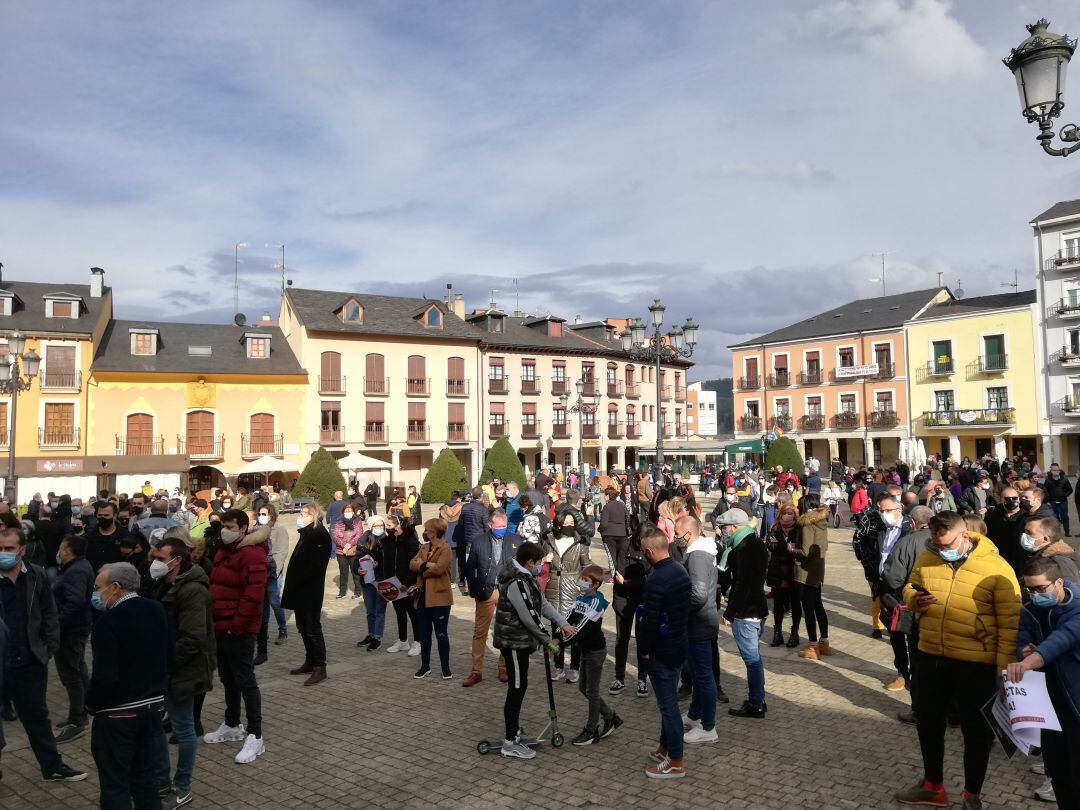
column 59, row 466
column 591, row 442
column 846, row 372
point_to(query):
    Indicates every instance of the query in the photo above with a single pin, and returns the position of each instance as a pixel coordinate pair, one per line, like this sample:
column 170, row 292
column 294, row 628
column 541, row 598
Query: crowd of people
column 174, row 593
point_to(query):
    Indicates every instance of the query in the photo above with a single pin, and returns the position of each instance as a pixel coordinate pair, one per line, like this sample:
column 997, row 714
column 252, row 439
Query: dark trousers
column 372, row 505
column 344, row 566
column 517, row 681
column 71, row 667
column 125, row 745
column 592, row 670
column 235, row 655
column 402, row 608
column 309, row 623
column 813, row 610
column 1061, row 752
column 1061, row 512
column 272, row 602
column 624, row 629
column 783, row 598
column 560, row 656
column 24, row 686
column 941, row 681
column 435, row 619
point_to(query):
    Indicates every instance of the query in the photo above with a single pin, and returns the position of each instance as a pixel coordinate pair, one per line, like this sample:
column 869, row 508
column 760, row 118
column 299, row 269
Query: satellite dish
column 240, row 320
column 959, row 292
column 289, row 282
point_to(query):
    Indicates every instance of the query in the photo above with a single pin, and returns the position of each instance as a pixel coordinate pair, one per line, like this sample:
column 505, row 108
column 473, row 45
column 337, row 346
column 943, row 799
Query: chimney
column 97, row 282
column 458, row 305
column 577, row 320
column 446, row 298
column 265, row 316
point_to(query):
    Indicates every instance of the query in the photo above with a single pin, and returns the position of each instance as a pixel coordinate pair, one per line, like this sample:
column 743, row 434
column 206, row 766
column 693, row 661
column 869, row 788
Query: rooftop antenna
column 517, row 296
column 492, row 304
column 236, row 275
column 883, row 254
column 959, row 291
column 279, row 265
column 940, row 279
column 1015, row 282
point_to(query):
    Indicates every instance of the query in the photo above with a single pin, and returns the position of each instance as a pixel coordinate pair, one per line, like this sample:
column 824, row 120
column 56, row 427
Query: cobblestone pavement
column 372, row 736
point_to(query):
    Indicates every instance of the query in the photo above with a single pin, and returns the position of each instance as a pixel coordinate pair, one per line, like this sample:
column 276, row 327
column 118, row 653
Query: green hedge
column 320, row 479
column 446, row 475
column 502, row 462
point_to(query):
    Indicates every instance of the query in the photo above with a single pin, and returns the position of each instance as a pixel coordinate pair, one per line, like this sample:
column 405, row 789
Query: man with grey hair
column 131, row 661
column 158, row 519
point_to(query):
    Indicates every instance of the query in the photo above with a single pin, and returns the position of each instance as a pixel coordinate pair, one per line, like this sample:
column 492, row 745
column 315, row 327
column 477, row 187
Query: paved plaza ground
column 371, row 736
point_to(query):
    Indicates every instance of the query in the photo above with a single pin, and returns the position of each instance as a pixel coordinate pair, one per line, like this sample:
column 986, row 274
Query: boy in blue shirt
column 587, row 614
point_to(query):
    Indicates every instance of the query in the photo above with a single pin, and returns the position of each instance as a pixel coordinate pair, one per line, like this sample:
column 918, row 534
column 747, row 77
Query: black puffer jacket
column 398, row 551
column 511, row 631
column 615, row 521
column 781, row 570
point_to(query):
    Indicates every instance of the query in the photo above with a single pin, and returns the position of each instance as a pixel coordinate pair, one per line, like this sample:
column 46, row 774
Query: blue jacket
column 473, row 523
column 661, row 630
column 1060, row 649
column 513, row 513
column 71, row 590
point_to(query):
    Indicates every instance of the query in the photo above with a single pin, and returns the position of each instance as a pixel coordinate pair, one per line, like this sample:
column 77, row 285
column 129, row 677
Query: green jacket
column 187, row 603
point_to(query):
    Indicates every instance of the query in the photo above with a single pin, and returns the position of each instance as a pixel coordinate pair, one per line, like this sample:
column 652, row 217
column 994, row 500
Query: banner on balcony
column 845, row 372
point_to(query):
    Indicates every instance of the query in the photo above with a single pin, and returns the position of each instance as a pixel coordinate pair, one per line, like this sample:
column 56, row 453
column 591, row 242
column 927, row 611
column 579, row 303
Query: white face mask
column 159, row 569
column 731, row 497
column 891, row 519
column 1028, row 543
column 229, row 536
column 301, row 521
column 264, row 520
column 348, row 515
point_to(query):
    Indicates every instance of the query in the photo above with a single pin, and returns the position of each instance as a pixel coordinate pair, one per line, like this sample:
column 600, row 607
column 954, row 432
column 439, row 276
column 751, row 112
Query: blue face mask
column 950, row 555
column 58, row 560
column 539, row 569
column 95, row 600
column 8, row 560
column 378, row 532
column 1043, row 600
column 499, row 532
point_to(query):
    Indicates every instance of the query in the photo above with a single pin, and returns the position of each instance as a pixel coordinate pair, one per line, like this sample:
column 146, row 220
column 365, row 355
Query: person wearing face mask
column 745, row 560
column 939, row 499
column 72, row 587
column 587, row 615
column 571, row 543
column 399, row 547
column 978, row 499
column 729, row 499
column 48, row 534
column 1058, row 490
column 968, row 601
column 346, row 535
column 183, row 589
column 1045, row 537
column 267, row 515
column 433, row 596
column 1049, row 641
column 780, row 576
column 237, row 592
column 1034, row 506
column 304, row 588
column 702, row 626
column 102, row 544
column 1004, row 525
column 371, row 545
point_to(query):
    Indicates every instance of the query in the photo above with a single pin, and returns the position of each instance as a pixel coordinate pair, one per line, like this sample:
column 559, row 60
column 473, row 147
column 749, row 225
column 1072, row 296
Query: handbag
column 901, row 619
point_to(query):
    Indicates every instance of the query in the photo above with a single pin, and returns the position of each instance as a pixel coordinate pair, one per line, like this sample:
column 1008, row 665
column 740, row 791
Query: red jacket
column 238, row 583
column 859, row 501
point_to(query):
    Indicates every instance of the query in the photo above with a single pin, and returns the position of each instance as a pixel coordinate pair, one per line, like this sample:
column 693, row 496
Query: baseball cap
column 733, row 517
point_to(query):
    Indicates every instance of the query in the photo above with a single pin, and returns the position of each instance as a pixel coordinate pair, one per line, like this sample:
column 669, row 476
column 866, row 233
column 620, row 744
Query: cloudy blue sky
column 743, row 161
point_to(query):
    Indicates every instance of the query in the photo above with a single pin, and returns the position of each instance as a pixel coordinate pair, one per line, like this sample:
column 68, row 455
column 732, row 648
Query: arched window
column 261, row 435
column 139, row 434
column 330, row 379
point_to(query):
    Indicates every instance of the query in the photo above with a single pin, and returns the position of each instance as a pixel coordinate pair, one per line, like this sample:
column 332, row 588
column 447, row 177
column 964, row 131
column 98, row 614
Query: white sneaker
column 571, row 676
column 556, row 674
column 514, row 749
column 688, row 724
column 1039, row 767
column 398, row 646
column 414, row 649
column 700, row 735
column 225, row 733
column 1045, row 791
column 253, row 748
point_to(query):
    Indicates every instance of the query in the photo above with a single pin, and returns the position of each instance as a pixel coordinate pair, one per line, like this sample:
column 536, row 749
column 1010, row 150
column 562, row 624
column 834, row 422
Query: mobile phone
column 920, row 589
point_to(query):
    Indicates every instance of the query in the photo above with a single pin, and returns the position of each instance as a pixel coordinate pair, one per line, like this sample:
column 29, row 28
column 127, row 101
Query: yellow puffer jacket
column 977, row 612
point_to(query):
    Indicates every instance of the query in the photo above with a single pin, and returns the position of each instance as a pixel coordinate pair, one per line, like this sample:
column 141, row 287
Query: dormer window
column 5, row 304
column 433, row 318
column 352, row 312
column 495, row 323
column 61, row 309
column 62, row 306
column 554, row 328
column 144, row 342
column 258, row 346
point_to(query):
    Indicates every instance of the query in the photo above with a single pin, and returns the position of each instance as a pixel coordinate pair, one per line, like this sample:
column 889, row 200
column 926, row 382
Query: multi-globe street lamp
column 581, row 407
column 656, row 349
column 12, row 382
column 1039, row 64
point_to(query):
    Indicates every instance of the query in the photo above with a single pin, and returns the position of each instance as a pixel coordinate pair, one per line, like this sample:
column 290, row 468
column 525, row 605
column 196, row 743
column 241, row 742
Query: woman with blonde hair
column 670, row 511
column 371, row 545
column 304, row 588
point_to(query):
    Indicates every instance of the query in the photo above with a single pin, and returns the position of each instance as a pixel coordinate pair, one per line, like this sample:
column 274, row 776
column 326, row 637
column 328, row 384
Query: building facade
column 701, row 414
column 836, row 383
column 974, row 389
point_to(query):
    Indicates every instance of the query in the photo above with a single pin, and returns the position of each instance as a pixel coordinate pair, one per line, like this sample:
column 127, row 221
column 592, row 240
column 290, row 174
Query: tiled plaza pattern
column 371, row 736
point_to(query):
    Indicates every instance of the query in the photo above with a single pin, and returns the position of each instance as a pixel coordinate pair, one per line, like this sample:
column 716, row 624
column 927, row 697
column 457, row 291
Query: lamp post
column 581, row 407
column 1039, row 64
column 12, row 381
column 653, row 348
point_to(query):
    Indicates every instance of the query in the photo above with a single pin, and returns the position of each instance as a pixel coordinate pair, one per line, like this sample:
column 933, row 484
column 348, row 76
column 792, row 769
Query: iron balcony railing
column 457, row 388
column 59, row 380
column 498, row 429
column 332, row 436
column 530, row 386
column 993, row 363
column 200, row 447
column 376, row 433
column 255, row 446
column 783, row 421
column 779, row 379
column 1069, row 405
column 614, row 430
column 417, row 434
column 560, row 430
column 810, row 377
column 886, row 371
column 1063, row 260
column 457, row 433
column 845, row 420
column 633, row 390
column 559, row 387
column 680, row 393
column 1067, row 356
column 633, row 430
column 749, row 383
column 614, row 388
column 971, row 417
column 882, row 419
column 590, row 431
column 530, row 430
column 590, row 388
column 379, row 386
column 331, row 385
column 417, row 386
column 58, row 437
column 812, row 421
column 498, row 385
column 942, row 367
column 126, row 446
column 749, row 423
column 1066, row 308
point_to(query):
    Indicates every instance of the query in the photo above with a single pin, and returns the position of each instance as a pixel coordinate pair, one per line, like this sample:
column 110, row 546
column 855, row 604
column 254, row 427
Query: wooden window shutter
column 457, row 413
column 374, row 411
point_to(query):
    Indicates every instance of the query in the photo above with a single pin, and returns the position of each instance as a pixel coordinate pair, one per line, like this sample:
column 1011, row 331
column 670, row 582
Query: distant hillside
column 725, row 403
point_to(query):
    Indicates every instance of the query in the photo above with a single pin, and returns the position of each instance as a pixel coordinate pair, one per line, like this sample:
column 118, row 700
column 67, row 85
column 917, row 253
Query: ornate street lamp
column 13, row 381
column 581, row 407
column 655, row 349
column 1039, row 64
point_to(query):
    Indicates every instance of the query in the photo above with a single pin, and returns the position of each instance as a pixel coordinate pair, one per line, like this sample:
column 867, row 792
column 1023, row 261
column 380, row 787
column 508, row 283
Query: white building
column 701, row 411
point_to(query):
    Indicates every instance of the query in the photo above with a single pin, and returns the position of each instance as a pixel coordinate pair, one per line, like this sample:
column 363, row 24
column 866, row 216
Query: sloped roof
column 383, row 315
column 866, row 314
column 28, row 314
column 1065, row 208
column 518, row 334
column 981, row 303
column 228, row 352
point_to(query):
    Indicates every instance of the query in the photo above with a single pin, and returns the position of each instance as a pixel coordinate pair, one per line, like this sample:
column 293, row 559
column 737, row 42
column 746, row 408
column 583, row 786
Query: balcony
column 1067, row 309
column 58, row 438
column 417, row 433
column 201, row 447
column 748, row 383
column 633, row 430
column 779, row 379
column 590, row 431
column 633, row 390
column 530, row 430
column 560, row 430
column 810, row 377
column 497, row 430
column 993, row 363
column 590, row 388
column 846, row 420
column 144, row 446
column 783, row 421
column 418, row 386
column 530, row 387
column 886, row 371
column 255, row 446
column 376, row 433
column 498, row 385
column 680, row 393
column 457, row 433
column 559, row 387
column 750, row 423
column 882, row 419
column 942, row 367
column 614, row 430
column 665, row 393
column 1066, row 260
column 614, row 388
column 669, row 430
column 377, row 386
column 457, row 388
column 60, row 380
column 812, row 421
column 975, row 417
column 331, row 437
column 332, row 386
column 1068, row 406
column 1069, row 358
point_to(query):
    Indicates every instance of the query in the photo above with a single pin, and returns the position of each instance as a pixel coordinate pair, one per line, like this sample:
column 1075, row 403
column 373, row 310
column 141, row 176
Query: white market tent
column 267, row 464
column 358, row 461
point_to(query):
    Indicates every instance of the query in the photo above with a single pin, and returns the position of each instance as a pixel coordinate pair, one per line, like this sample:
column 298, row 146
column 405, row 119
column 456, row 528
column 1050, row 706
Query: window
column 139, row 434
column 847, row 357
column 495, row 368
column 456, row 385
column 1072, row 246
column 528, row 414
column 351, row 312
column 558, row 371
column 60, row 367
column 61, row 309
column 783, row 407
column 558, row 416
column 375, row 381
column 942, row 357
column 261, row 441
column 528, row 370
column 883, row 356
column 587, row 372
column 59, row 423
column 997, row 398
column 417, row 421
column 813, row 406
column 258, row 348
column 612, row 374
column 375, row 421
column 495, row 323
column 330, row 378
column 994, row 353
column 497, row 414
column 200, row 433
column 752, row 409
column 143, row 343
column 416, row 382
column 883, row 401
column 6, row 302
column 631, row 415
column 554, row 329
column 943, row 401
column 456, row 421
column 433, row 319
column 1073, row 337
column 813, row 364
column 330, row 421
column 847, row 403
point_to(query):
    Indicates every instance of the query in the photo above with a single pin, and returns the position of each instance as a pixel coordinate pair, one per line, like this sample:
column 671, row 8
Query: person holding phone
column 433, row 596
column 400, row 545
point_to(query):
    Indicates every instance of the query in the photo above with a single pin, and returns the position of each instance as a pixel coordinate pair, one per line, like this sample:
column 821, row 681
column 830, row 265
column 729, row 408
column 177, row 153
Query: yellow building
column 182, row 404
column 972, row 382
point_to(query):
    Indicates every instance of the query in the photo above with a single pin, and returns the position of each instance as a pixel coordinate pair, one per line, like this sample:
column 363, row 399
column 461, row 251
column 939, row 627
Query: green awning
column 753, row 446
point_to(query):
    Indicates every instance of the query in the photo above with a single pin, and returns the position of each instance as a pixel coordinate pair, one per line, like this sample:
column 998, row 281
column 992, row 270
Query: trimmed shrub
column 502, row 462
column 320, row 478
column 446, row 475
column 784, row 453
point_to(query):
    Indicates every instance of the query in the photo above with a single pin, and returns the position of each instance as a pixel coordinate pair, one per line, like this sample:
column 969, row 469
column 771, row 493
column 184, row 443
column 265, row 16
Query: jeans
column 402, row 608
column 437, row 619
column 517, row 681
column 592, row 670
column 125, row 745
column 1061, row 751
column 182, row 718
column 309, row 623
column 747, row 633
column 665, row 681
column 272, row 602
column 375, row 609
column 813, row 611
column 25, row 687
column 703, row 699
column 940, row 681
column 624, row 628
column 235, row 655
column 71, row 667
column 1061, row 512
column 344, row 565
